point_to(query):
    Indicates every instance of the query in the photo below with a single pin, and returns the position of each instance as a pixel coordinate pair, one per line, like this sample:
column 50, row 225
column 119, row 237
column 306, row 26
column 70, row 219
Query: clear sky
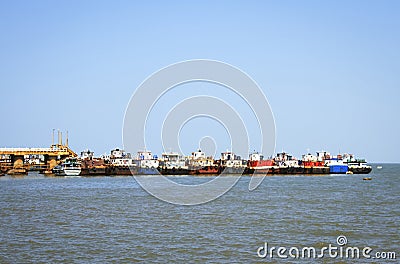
column 330, row 69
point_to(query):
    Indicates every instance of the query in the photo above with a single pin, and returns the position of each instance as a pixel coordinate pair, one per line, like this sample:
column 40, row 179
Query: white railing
column 11, row 150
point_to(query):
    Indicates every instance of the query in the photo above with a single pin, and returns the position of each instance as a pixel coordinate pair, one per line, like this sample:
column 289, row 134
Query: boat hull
column 338, row 169
column 360, row 170
column 72, row 172
column 121, row 170
column 214, row 170
column 276, row 170
column 94, row 171
column 174, row 171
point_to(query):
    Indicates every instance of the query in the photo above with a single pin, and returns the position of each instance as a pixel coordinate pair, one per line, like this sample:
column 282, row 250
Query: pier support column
column 17, row 161
column 51, row 161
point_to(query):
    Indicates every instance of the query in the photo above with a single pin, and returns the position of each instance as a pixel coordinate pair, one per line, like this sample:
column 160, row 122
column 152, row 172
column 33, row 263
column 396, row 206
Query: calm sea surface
column 112, row 220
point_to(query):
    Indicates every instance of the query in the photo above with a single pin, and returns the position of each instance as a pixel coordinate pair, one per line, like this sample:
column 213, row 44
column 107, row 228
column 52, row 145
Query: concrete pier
column 52, row 156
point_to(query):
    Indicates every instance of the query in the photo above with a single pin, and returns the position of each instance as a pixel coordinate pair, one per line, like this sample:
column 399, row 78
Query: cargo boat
column 312, row 164
column 199, row 164
column 356, row 166
column 258, row 165
column 146, row 163
column 91, row 166
column 231, row 163
column 287, row 164
column 120, row 163
column 172, row 163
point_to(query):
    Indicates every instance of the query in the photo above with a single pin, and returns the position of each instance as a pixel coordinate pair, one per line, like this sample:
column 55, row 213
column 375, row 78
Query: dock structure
column 12, row 160
column 51, row 155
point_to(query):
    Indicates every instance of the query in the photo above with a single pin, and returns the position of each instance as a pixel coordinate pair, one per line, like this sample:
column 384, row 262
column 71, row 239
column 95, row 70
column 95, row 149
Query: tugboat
column 172, row 163
column 258, row 165
column 199, row 164
column 70, row 167
column 312, row 164
column 146, row 163
column 336, row 165
column 287, row 164
column 231, row 163
column 91, row 166
column 120, row 163
column 356, row 166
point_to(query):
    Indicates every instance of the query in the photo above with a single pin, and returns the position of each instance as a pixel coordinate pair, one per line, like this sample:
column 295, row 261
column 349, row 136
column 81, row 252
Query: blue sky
column 330, row 69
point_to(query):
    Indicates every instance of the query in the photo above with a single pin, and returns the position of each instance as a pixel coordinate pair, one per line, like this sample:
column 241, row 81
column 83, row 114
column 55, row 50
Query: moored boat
column 231, row 163
column 91, row 166
column 258, row 165
column 172, row 163
column 314, row 164
column 287, row 164
column 146, row 163
column 356, row 166
column 336, row 166
column 70, row 167
column 200, row 164
column 120, row 163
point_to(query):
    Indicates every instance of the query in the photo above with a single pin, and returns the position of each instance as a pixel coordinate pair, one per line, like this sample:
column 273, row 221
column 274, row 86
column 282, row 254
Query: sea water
column 112, row 219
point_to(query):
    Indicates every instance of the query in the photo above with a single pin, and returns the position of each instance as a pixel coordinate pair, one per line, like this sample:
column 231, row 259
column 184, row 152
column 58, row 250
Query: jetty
column 13, row 160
